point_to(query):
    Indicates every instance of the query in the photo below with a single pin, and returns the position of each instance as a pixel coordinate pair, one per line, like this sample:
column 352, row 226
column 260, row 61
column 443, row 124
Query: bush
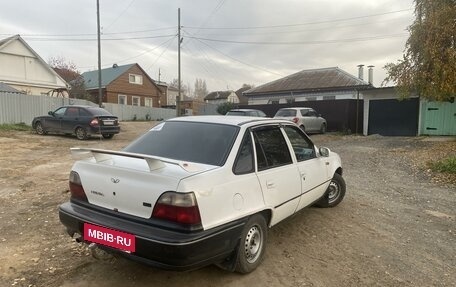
column 225, row 107
column 15, row 127
column 445, row 165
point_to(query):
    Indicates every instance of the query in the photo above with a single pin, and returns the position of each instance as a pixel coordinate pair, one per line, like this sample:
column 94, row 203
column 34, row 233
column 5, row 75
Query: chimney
column 371, row 75
column 361, row 72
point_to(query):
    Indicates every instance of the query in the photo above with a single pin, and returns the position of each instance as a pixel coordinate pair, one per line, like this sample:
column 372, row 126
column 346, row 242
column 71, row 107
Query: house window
column 329, row 97
column 273, row 102
column 148, row 102
column 122, row 99
column 290, row 101
column 136, row 101
column 135, row 79
column 311, row 98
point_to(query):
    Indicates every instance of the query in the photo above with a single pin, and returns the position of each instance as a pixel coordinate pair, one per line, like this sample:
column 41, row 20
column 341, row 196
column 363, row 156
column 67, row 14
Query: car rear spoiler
column 101, row 155
column 153, row 162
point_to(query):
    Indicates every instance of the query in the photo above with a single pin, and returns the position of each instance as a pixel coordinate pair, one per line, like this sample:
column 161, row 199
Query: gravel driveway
column 394, row 228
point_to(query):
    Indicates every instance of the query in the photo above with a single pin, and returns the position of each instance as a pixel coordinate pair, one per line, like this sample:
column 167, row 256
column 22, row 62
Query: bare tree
column 68, row 71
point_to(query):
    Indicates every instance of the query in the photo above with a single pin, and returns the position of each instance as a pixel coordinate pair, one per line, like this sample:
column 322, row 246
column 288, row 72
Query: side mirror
column 324, row 151
column 51, row 113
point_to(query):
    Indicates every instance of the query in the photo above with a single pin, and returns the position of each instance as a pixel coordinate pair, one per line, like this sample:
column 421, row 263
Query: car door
column 278, row 175
column 54, row 123
column 70, row 119
column 313, row 169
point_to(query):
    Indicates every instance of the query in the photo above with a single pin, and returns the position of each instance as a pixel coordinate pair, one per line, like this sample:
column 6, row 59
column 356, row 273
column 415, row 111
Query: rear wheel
column 252, row 245
column 81, row 133
column 323, row 128
column 39, row 129
column 108, row 136
column 335, row 192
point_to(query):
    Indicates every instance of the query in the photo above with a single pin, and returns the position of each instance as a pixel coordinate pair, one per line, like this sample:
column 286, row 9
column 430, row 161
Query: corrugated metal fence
column 19, row 108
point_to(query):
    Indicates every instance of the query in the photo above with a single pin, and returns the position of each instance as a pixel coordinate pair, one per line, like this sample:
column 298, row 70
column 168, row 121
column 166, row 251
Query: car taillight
column 295, row 120
column 177, row 207
column 76, row 189
column 94, row 122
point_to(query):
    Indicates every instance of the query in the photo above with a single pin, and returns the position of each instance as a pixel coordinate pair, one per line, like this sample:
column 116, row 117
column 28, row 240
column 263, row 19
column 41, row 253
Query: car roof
column 243, row 110
column 298, row 108
column 232, row 120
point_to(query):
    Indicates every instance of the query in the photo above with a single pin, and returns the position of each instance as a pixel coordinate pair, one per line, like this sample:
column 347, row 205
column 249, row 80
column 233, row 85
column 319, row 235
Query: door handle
column 270, row 184
column 303, row 175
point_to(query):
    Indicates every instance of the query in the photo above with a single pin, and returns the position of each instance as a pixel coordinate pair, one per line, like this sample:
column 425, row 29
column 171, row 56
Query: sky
column 227, row 43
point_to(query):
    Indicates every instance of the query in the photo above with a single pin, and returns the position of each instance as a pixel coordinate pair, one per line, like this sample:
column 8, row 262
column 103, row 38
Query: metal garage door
column 393, row 117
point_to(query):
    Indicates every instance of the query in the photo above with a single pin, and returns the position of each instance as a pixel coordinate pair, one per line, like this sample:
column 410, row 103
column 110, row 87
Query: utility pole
column 159, row 75
column 179, row 41
column 100, row 95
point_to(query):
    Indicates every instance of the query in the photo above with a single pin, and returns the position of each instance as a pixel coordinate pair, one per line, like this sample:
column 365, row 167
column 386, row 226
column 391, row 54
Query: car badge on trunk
column 115, row 180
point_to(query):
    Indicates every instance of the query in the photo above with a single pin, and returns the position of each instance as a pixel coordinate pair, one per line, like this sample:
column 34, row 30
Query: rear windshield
column 286, row 113
column 236, row 113
column 98, row 111
column 187, row 141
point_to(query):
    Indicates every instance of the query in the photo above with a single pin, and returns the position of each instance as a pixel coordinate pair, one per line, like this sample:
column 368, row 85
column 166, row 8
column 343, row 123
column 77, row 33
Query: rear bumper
column 156, row 246
column 105, row 130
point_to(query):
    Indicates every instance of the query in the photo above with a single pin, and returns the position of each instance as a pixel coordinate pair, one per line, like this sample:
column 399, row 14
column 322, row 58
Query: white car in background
column 195, row 191
column 306, row 118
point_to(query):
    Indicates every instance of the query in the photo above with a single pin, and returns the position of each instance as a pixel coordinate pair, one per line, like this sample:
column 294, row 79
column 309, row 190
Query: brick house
column 127, row 85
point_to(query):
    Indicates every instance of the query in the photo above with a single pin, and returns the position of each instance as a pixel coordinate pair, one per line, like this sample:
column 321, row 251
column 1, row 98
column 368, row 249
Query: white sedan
column 195, row 191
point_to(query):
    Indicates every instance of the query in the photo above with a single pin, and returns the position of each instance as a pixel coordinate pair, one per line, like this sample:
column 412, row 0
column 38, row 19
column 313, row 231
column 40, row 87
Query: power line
column 239, row 61
column 92, row 34
column 94, row 39
column 165, row 50
column 121, row 13
column 299, row 24
column 333, row 41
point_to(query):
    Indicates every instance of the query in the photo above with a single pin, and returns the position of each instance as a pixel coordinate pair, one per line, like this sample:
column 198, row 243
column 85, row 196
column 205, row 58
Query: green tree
column 225, row 107
column 428, row 66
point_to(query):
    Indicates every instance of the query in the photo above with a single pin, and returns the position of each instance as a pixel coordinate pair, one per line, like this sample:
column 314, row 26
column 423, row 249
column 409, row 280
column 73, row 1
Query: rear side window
column 271, row 147
column 286, row 113
column 244, row 161
column 205, row 143
column 84, row 113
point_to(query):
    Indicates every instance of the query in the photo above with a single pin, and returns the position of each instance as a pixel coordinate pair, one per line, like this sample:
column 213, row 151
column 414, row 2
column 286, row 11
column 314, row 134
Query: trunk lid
column 127, row 182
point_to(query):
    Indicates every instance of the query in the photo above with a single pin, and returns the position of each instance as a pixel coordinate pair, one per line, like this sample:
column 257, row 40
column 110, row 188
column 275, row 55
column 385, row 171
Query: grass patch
column 445, row 165
column 15, row 127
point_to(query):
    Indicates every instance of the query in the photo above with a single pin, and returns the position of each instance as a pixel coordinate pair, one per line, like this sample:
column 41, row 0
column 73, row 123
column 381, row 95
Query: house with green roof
column 125, row 85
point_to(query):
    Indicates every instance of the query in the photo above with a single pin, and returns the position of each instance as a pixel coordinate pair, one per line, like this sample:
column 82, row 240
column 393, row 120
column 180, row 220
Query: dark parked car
column 246, row 113
column 82, row 121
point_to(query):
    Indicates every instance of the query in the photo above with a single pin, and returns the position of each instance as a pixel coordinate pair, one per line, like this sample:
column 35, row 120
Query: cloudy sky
column 225, row 42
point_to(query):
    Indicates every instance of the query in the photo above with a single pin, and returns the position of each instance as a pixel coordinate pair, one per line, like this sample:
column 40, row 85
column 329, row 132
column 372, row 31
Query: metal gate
column 392, row 117
column 438, row 118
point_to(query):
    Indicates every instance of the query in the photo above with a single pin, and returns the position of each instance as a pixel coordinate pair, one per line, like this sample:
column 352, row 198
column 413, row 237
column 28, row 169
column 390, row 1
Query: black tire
column 107, row 136
column 39, row 129
column 323, row 128
column 252, row 244
column 81, row 133
column 334, row 194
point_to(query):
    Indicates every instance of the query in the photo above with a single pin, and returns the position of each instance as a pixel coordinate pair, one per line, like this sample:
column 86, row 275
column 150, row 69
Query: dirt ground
column 395, row 227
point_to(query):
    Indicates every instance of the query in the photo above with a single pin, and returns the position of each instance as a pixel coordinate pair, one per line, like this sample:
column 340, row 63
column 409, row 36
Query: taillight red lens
column 177, row 207
column 76, row 189
column 295, row 120
column 94, row 122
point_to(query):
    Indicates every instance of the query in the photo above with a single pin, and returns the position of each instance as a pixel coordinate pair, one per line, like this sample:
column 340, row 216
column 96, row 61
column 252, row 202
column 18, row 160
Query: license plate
column 109, row 237
column 108, row 123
